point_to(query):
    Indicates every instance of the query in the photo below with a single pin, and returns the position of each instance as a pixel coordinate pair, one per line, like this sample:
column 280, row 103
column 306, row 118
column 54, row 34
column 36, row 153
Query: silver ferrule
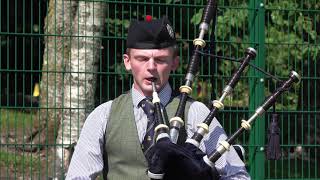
column 162, row 135
column 223, row 96
column 251, row 51
column 174, row 134
column 252, row 118
column 260, row 110
column 204, row 27
column 176, row 124
column 228, row 89
column 189, row 83
column 296, row 75
column 189, row 77
column 201, row 34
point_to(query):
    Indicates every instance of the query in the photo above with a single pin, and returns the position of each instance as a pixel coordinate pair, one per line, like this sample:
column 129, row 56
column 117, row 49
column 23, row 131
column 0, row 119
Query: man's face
column 148, row 64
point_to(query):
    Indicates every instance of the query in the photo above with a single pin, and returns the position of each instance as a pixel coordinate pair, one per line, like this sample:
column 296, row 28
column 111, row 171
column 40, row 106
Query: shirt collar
column 164, row 95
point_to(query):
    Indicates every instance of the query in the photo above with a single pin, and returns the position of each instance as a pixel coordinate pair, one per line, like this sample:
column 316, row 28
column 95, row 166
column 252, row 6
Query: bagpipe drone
column 169, row 161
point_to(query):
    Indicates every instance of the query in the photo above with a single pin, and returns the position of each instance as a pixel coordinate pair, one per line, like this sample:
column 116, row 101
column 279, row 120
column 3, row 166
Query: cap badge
column 170, row 31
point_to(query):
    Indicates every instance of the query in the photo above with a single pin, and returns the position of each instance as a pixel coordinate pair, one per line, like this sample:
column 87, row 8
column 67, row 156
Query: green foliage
column 294, row 31
column 23, row 163
column 114, row 26
column 196, row 19
column 12, row 119
column 289, row 38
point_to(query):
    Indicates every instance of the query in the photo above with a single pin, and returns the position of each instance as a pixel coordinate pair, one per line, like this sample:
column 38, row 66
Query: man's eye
column 160, row 60
column 142, row 59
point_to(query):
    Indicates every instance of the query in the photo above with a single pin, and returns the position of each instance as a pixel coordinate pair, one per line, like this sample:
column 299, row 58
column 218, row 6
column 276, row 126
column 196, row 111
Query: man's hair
column 174, row 48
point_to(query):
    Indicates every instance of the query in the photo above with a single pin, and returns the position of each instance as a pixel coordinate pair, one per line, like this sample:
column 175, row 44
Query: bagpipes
column 166, row 159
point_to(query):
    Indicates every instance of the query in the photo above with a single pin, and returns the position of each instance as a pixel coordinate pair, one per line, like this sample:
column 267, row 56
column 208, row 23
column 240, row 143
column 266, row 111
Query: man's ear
column 126, row 62
column 175, row 63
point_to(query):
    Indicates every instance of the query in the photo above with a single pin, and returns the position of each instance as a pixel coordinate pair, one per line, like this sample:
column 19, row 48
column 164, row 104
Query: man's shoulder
column 108, row 104
column 103, row 106
column 124, row 95
column 123, row 98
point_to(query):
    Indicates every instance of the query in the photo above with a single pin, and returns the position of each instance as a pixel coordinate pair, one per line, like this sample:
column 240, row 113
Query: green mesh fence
column 60, row 59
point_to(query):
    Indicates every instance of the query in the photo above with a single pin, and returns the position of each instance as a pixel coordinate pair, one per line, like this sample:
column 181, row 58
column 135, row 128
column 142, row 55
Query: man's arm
column 229, row 165
column 87, row 159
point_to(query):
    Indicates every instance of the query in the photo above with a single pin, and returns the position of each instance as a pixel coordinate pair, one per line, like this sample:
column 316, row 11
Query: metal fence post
column 256, row 87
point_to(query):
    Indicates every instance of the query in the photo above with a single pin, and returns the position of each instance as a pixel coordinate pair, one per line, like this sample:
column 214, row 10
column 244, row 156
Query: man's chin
column 148, row 90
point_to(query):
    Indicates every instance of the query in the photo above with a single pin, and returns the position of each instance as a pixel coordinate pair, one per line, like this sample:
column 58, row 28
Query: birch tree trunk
column 58, row 29
column 57, row 48
column 80, row 76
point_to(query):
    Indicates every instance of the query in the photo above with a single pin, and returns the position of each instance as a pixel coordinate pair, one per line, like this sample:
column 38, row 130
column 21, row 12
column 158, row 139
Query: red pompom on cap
column 148, row 18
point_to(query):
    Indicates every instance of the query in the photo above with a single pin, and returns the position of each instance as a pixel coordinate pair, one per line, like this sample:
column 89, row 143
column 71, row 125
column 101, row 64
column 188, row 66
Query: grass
column 16, row 162
column 15, row 127
column 14, row 124
column 13, row 119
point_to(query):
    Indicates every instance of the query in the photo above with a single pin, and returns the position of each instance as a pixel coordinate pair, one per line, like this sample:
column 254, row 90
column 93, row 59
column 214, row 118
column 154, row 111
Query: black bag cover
column 179, row 162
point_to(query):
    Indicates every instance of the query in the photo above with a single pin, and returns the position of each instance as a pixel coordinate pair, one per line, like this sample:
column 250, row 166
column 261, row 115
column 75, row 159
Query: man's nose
column 151, row 64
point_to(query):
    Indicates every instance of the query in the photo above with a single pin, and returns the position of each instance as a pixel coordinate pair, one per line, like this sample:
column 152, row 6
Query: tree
column 57, row 42
column 71, row 56
column 80, row 74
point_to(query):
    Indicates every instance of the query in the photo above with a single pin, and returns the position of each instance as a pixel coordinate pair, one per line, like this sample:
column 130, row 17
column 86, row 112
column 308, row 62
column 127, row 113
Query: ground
column 17, row 161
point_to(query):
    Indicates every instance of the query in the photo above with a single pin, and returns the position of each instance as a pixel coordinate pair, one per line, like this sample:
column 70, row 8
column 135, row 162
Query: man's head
column 151, row 53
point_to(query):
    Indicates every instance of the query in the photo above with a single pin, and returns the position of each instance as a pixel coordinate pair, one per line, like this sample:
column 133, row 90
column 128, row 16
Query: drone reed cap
column 251, row 51
column 296, row 75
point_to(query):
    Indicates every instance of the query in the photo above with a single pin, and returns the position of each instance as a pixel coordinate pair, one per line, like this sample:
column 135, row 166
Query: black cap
column 151, row 34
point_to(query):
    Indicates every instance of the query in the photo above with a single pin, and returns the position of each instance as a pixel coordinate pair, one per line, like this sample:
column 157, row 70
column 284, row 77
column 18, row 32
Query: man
column 113, row 137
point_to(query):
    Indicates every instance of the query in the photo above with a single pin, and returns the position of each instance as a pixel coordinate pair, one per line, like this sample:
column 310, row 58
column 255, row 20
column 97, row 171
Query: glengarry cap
column 151, row 34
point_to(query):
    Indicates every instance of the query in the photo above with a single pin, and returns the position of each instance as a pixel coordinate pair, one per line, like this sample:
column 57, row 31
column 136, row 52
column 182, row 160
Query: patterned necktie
column 148, row 108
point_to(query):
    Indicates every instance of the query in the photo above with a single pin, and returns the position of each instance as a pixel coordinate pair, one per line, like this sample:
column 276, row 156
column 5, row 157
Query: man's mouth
column 152, row 79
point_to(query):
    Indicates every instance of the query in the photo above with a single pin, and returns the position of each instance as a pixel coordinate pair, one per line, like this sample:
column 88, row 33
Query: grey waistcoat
column 122, row 151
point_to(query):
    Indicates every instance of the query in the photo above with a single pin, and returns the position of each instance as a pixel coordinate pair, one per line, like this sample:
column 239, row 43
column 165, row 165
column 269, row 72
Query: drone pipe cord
column 203, row 128
column 246, row 125
column 185, row 90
